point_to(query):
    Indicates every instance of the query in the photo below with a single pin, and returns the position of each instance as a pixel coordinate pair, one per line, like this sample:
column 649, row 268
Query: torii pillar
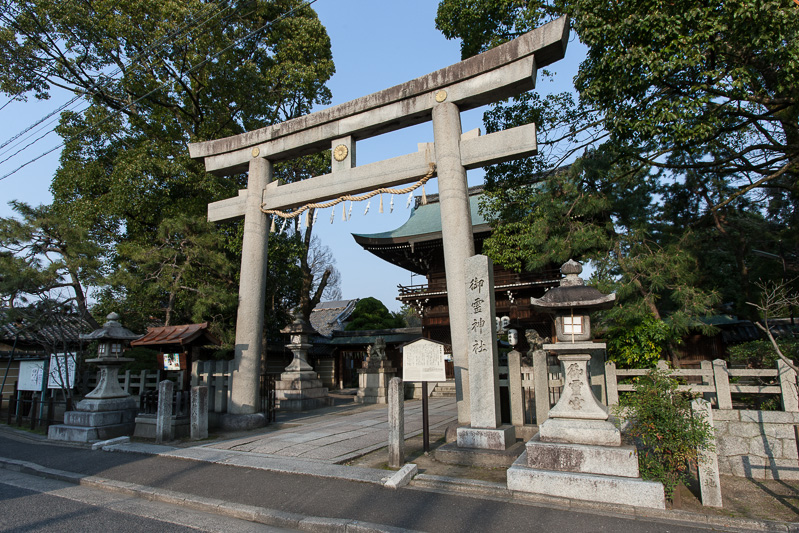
column 456, row 234
column 244, row 402
column 440, row 96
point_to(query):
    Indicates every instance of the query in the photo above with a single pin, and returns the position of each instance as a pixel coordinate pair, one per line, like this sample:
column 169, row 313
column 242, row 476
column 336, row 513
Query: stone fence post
column 790, row 396
column 164, row 431
column 396, row 423
column 541, row 380
column 516, row 394
column 199, row 413
column 708, row 460
column 722, row 379
column 611, row 383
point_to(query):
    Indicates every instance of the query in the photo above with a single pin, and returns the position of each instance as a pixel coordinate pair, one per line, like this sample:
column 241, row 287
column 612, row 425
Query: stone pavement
column 336, row 435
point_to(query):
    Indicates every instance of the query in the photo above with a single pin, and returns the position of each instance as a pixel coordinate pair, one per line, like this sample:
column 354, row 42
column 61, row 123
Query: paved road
column 30, row 504
column 408, row 508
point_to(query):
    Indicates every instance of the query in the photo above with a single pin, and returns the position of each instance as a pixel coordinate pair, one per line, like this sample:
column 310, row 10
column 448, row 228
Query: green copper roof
column 424, row 219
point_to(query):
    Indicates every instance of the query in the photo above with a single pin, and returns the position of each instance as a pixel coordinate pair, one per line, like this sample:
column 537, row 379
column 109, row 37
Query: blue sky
column 376, row 45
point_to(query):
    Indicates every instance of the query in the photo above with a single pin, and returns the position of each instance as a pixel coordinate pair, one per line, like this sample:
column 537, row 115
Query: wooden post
column 722, row 379
column 425, row 418
column 34, row 408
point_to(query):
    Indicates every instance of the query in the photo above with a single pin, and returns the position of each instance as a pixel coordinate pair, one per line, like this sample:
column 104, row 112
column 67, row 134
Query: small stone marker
column 163, row 421
column 482, row 341
column 199, row 413
column 396, row 423
column 708, row 461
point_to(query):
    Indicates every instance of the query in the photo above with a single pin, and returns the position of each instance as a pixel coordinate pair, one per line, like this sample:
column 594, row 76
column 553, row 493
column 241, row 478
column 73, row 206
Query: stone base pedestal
column 451, row 454
column 145, row 427
column 576, row 431
column 608, row 489
column 500, row 438
column 97, row 419
column 299, row 391
column 236, row 422
column 373, row 382
column 604, row 474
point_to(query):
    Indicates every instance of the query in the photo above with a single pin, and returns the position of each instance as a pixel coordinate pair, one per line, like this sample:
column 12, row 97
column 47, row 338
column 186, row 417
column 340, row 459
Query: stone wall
column 757, row 444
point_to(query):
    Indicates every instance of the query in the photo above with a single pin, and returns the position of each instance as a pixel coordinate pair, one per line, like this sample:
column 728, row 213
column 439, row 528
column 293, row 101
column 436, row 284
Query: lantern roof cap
column 111, row 330
column 573, row 293
column 298, row 327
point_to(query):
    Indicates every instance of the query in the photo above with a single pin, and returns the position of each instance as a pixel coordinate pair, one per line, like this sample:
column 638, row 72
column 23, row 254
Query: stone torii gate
column 502, row 72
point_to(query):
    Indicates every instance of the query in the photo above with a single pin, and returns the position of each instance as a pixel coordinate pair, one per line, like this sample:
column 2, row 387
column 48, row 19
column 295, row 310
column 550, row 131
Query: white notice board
column 62, row 373
column 423, row 360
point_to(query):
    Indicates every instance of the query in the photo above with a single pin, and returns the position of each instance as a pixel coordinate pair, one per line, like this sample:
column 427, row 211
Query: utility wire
column 189, row 71
column 194, row 23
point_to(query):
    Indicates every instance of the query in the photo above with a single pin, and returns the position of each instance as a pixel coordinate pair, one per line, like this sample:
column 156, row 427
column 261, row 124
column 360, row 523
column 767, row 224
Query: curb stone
column 497, row 492
column 269, row 517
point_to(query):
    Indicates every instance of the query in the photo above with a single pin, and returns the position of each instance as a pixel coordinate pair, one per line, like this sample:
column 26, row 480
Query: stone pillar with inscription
column 485, row 429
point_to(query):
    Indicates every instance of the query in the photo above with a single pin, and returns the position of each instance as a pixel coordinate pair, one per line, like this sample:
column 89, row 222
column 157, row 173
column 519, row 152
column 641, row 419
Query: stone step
column 444, row 389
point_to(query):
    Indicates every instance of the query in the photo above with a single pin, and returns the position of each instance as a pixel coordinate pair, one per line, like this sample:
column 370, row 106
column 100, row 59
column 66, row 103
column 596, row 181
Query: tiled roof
column 330, row 316
column 69, row 328
column 180, row 335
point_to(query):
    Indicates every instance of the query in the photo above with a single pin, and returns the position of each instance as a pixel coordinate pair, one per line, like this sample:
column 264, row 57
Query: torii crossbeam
column 502, row 72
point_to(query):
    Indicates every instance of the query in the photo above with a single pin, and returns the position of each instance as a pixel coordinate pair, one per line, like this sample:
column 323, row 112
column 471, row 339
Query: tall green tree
column 681, row 136
column 157, row 76
column 45, row 258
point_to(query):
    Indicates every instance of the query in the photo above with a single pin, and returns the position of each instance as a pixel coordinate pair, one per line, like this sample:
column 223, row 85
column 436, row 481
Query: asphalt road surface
column 31, row 504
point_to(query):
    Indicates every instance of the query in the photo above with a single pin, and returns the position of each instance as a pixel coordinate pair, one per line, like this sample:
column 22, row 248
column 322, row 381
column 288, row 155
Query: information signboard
column 423, row 360
column 61, row 376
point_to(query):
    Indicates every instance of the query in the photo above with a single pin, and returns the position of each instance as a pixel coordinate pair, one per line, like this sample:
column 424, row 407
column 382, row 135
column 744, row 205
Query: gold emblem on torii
column 340, row 152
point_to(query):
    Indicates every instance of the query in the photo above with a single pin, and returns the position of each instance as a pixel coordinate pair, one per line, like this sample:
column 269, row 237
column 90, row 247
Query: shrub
column 761, row 354
column 664, row 429
column 638, row 345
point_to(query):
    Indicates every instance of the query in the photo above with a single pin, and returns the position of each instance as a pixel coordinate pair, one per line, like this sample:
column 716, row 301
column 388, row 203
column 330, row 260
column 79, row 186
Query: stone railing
column 218, row 377
column 717, row 382
column 134, row 383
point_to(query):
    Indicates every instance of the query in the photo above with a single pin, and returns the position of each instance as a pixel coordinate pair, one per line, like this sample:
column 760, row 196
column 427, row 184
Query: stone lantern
column 111, row 339
column 577, row 451
column 299, row 387
column 107, row 411
column 578, row 417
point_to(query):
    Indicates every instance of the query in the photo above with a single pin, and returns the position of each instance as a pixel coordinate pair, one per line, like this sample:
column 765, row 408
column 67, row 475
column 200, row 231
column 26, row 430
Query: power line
column 189, row 71
column 194, row 23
